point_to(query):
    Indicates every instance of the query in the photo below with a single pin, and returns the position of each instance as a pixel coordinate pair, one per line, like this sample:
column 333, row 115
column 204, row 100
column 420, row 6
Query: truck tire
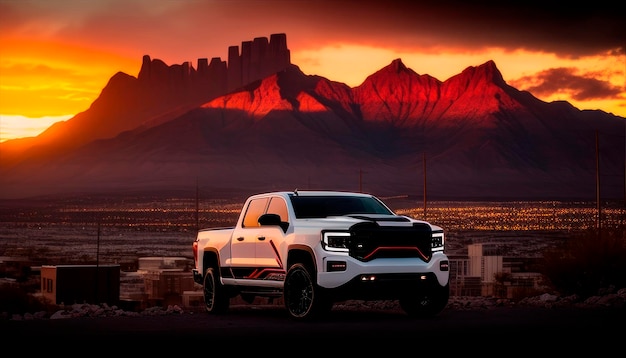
column 304, row 299
column 426, row 305
column 216, row 299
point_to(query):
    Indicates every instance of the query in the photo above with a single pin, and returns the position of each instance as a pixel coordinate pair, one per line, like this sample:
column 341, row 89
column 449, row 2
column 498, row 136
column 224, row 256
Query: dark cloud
column 581, row 87
column 567, row 30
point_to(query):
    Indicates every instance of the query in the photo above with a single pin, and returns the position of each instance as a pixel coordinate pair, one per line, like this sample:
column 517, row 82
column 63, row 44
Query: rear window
column 323, row 206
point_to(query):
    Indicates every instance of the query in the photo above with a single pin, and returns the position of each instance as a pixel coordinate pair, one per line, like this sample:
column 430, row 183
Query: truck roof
column 314, row 193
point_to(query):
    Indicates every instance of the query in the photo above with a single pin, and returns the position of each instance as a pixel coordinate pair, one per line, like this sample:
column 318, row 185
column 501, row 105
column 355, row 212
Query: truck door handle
column 240, row 238
column 261, row 238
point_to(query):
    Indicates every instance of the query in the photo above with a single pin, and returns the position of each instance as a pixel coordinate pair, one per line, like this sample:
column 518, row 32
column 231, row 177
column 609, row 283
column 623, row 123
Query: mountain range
column 266, row 125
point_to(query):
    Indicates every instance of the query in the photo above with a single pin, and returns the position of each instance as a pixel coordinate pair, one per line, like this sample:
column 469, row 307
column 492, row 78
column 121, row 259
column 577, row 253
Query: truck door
column 245, row 238
column 271, row 237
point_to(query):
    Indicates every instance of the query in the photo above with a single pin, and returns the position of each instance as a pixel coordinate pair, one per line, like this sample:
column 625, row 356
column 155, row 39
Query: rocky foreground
column 608, row 298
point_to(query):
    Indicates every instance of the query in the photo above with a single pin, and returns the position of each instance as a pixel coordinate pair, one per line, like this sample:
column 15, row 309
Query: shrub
column 16, row 300
column 588, row 262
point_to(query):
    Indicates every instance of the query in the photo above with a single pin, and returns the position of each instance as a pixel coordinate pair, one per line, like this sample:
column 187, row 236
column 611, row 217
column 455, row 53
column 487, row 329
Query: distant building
column 462, row 283
column 159, row 281
column 167, row 286
column 488, row 271
column 18, row 267
column 69, row 284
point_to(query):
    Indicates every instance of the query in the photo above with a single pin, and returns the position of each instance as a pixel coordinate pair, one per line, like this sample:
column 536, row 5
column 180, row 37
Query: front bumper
column 335, row 271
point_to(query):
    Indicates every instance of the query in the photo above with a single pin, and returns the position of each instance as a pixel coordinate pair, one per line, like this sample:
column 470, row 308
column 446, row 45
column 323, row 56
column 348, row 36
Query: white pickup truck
column 316, row 248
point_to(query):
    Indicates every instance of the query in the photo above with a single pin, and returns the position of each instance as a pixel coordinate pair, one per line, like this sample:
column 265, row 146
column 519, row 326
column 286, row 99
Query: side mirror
column 273, row 220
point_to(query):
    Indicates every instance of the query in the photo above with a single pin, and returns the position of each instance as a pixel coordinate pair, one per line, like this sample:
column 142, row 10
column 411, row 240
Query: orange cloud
column 581, row 87
column 44, row 78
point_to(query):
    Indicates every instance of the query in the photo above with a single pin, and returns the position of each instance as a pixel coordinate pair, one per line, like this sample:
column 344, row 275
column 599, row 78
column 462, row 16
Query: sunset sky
column 57, row 55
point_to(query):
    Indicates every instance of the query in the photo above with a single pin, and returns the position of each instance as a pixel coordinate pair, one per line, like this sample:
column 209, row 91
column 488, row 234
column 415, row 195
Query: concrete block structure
column 70, row 284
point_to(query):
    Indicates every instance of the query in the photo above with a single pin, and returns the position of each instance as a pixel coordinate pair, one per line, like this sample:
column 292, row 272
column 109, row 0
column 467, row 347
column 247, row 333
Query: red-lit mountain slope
column 480, row 138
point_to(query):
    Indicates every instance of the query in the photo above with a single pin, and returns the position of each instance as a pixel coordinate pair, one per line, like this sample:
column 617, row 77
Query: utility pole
column 97, row 283
column 599, row 213
column 424, row 170
column 360, row 180
column 197, row 206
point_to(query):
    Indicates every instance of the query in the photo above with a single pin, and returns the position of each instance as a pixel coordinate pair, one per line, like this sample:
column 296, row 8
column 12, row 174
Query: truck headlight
column 336, row 241
column 437, row 241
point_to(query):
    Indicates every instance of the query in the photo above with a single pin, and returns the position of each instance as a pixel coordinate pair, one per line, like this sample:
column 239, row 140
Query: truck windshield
column 306, row 207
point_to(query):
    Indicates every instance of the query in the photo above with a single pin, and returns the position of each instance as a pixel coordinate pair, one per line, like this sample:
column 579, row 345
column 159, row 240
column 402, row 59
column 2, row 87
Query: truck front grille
column 369, row 241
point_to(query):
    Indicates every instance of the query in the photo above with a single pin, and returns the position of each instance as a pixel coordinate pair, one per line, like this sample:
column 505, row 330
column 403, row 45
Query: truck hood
column 382, row 220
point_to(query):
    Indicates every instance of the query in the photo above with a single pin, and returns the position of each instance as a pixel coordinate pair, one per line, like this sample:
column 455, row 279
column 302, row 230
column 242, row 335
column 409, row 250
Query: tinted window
column 255, row 209
column 278, row 206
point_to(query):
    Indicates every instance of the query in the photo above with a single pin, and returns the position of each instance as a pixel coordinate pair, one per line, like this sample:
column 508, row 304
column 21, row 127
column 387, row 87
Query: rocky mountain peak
column 486, row 74
column 396, row 71
column 396, row 66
